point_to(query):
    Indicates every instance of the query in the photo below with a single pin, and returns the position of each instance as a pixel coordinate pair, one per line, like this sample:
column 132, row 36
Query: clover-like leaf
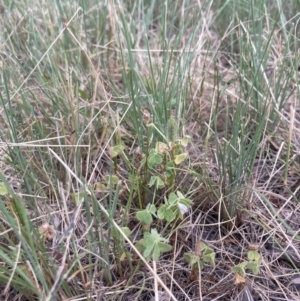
column 152, row 209
column 254, row 266
column 157, row 181
column 191, row 258
column 126, row 231
column 154, row 245
column 161, row 212
column 169, row 215
column 210, row 258
column 144, row 216
column 116, row 150
column 172, row 198
column 238, row 269
column 185, row 140
column 160, row 247
column 180, row 158
column 170, row 169
column 253, row 255
column 154, row 159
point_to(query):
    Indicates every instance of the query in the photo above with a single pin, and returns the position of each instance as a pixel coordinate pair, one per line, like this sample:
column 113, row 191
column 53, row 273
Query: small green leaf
column 169, row 215
column 111, row 180
column 159, row 183
column 172, row 198
column 3, row 189
column 116, row 150
column 156, row 235
column 161, row 212
column 180, row 195
column 160, row 248
column 148, row 252
column 148, row 240
column 210, row 258
column 239, row 270
column 78, row 197
column 156, row 253
column 126, row 231
column 140, row 245
column 173, row 102
column 180, row 158
column 152, row 209
column 185, row 141
column 154, row 244
column 170, row 168
column 205, row 249
column 83, row 94
column 187, row 256
column 253, row 255
column 164, row 247
column 144, row 216
column 154, row 159
column 152, row 181
column 192, row 259
column 254, row 266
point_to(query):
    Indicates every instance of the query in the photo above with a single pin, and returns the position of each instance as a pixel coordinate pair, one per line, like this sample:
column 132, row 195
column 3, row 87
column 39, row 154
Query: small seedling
column 153, row 244
column 253, row 263
column 203, row 254
column 145, row 216
column 175, row 206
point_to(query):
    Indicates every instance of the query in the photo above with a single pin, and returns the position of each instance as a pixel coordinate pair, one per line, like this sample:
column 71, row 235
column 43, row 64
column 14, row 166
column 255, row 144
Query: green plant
column 173, row 208
column 164, row 158
column 253, row 263
column 203, row 254
column 153, row 244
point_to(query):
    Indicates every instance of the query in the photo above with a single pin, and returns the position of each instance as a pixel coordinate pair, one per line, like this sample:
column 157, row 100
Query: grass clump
column 149, row 150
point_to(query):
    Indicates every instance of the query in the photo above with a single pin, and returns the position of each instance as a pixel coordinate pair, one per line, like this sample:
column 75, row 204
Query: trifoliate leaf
column 154, row 159
column 253, row 255
column 144, row 216
column 169, row 215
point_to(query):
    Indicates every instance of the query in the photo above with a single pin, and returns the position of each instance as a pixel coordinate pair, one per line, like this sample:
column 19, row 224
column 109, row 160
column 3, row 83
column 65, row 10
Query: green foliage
column 205, row 255
column 175, row 206
column 253, row 264
column 154, row 244
column 154, row 159
column 145, row 216
column 116, row 150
